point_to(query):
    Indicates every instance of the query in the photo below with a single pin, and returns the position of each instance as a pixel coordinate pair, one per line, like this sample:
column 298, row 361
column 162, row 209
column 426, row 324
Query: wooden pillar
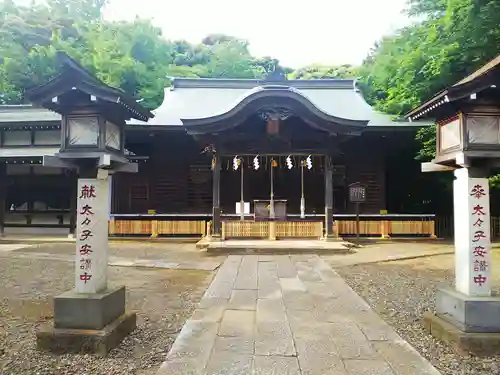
column 3, row 196
column 216, row 219
column 329, row 234
column 72, row 203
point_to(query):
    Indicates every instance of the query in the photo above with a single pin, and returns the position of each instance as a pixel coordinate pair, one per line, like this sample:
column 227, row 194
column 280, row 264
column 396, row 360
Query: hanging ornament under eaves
column 309, row 163
column 256, row 164
column 236, row 162
column 289, row 162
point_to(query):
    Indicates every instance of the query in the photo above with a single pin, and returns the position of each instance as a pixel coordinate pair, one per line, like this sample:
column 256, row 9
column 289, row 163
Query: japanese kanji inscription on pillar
column 472, row 234
column 91, row 236
column 479, row 208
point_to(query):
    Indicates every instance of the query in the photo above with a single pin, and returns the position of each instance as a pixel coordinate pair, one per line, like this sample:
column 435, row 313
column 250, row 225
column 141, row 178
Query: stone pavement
column 285, row 246
column 290, row 315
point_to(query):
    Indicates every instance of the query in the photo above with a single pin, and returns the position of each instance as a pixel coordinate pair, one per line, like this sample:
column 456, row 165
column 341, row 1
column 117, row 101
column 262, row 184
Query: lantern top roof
column 73, row 76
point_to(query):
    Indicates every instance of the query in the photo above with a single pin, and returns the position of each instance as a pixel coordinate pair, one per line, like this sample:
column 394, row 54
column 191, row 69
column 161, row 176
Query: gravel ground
column 163, row 300
column 401, row 292
column 171, row 252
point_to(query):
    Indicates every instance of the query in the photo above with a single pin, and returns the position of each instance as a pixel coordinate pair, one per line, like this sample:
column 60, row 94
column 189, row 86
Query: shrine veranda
column 311, row 138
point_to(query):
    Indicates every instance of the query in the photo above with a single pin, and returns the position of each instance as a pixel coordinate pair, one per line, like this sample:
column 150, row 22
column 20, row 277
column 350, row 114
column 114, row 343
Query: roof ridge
column 239, row 83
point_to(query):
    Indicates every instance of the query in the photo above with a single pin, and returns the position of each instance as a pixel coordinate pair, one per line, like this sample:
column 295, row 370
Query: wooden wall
column 365, row 163
column 178, row 179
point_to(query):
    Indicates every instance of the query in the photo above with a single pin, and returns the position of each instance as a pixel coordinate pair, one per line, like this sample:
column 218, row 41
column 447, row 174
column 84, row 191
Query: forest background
column 446, row 40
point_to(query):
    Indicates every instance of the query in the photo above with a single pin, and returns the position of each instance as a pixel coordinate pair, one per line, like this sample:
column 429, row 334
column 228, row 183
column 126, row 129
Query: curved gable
column 269, row 96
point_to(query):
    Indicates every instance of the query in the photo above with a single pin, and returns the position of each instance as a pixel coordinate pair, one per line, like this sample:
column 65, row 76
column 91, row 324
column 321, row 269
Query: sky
column 297, row 33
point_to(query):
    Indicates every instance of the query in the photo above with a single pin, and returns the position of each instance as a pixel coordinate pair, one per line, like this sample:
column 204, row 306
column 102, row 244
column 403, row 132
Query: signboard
column 357, row 193
column 246, row 208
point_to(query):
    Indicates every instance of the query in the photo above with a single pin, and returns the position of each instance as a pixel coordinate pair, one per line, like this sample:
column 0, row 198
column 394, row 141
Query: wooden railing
column 445, row 227
column 386, row 228
column 271, row 229
column 154, row 228
column 245, row 229
column 377, row 226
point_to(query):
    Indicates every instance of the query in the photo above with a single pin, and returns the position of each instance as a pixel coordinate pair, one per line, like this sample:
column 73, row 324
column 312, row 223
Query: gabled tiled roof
column 195, row 98
column 26, row 113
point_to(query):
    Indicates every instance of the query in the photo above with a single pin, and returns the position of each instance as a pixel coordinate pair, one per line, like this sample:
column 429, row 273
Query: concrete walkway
column 288, row 315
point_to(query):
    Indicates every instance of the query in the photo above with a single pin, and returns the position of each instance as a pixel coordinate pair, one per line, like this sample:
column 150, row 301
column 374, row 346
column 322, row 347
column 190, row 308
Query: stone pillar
column 90, row 318
column 468, row 317
column 328, row 199
column 3, row 196
column 472, row 233
column 216, row 219
column 92, row 235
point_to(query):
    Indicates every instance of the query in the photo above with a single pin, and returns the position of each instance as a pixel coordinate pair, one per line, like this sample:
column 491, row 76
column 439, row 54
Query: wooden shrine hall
column 228, row 157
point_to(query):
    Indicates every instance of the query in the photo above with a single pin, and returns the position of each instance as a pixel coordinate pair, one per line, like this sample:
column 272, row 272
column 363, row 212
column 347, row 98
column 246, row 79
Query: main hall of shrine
column 229, row 156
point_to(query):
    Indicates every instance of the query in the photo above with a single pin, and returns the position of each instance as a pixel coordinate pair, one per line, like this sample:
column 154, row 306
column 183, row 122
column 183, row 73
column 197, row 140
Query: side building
column 280, row 124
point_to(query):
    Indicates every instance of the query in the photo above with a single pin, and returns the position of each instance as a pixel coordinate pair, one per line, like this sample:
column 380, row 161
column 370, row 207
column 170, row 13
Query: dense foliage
column 451, row 38
column 133, row 56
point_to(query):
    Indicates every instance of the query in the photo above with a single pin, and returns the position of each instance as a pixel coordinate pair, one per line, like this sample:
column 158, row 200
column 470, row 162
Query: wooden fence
column 286, row 229
column 267, row 229
column 154, row 228
column 445, row 227
column 386, row 228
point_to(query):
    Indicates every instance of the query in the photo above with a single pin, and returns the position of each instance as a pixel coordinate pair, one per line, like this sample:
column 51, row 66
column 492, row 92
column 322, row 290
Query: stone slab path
column 270, row 246
column 287, row 315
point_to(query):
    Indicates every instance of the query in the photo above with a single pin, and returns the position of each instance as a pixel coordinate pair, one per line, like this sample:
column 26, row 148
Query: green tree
column 132, row 56
column 452, row 39
column 319, row 71
column 231, row 59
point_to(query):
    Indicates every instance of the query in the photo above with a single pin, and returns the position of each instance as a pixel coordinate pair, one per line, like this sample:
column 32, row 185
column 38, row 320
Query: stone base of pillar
column 331, row 237
column 470, row 314
column 468, row 324
column 87, row 323
column 100, row 342
column 476, row 343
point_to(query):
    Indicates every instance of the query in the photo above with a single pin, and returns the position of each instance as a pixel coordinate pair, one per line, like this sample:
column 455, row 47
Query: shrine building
column 235, row 153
